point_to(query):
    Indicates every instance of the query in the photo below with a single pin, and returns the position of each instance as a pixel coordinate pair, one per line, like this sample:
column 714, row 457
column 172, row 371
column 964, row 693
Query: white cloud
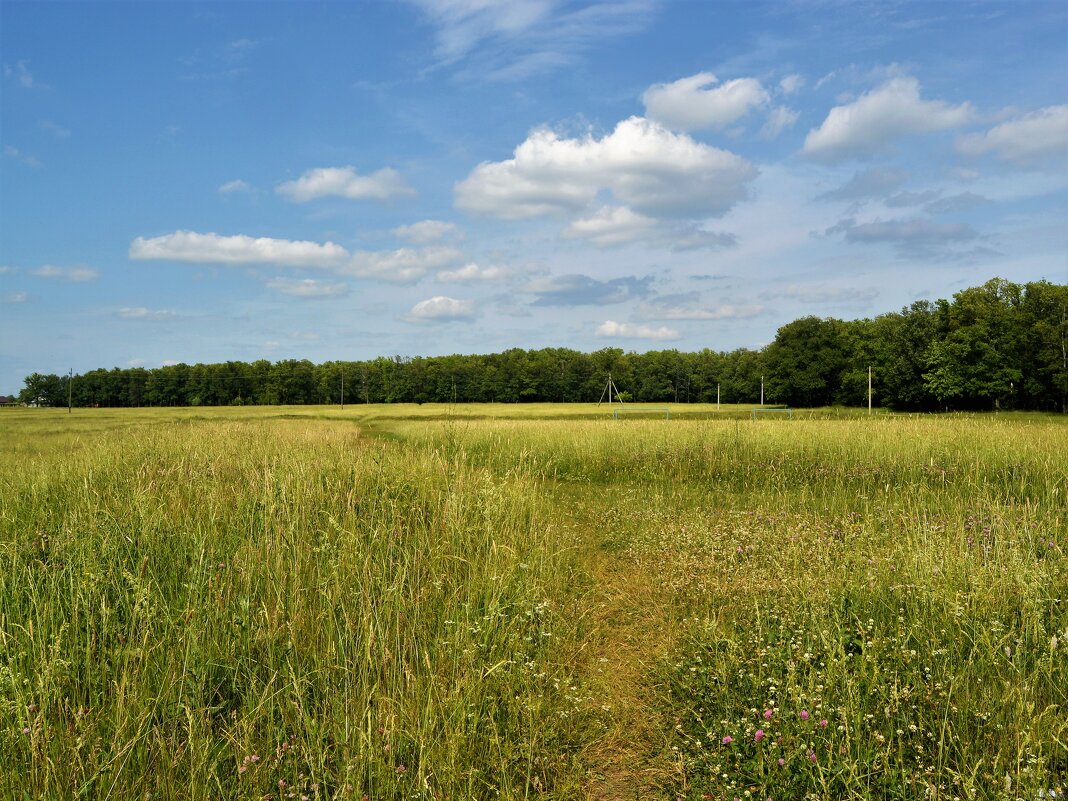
column 308, row 288
column 646, row 167
column 442, row 308
column 169, row 363
column 828, row 295
column 869, row 124
column 472, row 272
column 231, row 187
column 724, row 311
column 141, row 313
column 11, row 152
column 791, row 84
column 610, row 225
column 21, row 74
column 403, row 265
column 779, row 119
column 687, row 104
column 13, row 297
column 383, row 184
column 77, row 274
column 1028, row 140
column 426, row 231
column 211, row 248
column 614, row 330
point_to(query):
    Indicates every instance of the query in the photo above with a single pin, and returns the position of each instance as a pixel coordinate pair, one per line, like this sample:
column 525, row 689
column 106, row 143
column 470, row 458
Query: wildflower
column 811, row 755
column 26, row 730
column 823, row 723
column 768, row 713
column 804, row 714
column 759, row 735
column 727, row 739
column 781, row 762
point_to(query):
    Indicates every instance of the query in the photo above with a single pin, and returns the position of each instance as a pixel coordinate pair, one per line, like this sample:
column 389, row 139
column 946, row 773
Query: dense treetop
column 999, row 345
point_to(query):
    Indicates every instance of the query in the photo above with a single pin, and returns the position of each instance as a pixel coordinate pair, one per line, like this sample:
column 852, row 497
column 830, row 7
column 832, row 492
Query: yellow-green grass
column 431, row 602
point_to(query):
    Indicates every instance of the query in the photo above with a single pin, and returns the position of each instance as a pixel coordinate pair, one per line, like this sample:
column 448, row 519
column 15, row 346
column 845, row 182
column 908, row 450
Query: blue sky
column 203, row 182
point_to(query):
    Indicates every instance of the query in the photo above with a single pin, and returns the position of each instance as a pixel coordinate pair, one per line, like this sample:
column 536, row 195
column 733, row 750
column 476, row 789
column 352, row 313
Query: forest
column 1001, row 345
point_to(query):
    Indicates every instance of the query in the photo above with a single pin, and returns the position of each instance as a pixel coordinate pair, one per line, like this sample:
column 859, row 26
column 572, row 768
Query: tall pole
column 70, row 388
column 717, row 397
column 761, row 390
column 869, row 389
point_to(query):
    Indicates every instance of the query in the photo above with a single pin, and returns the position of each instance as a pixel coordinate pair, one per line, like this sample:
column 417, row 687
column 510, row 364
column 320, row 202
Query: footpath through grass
column 418, row 603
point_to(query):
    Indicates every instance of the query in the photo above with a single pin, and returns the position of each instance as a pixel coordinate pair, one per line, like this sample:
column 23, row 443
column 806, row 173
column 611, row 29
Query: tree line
column 999, row 345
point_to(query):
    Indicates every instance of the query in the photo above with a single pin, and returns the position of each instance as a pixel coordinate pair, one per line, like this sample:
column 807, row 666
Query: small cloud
column 966, row 201
column 308, row 288
column 426, row 231
column 76, row 274
column 610, row 225
column 610, row 329
column 1027, row 141
column 869, row 125
column 874, row 183
column 211, row 248
column 232, row 187
column 441, row 308
column 21, row 75
column 791, row 84
column 136, row 363
column 11, row 152
column 472, row 272
column 169, row 363
column 904, row 199
column 779, row 120
column 909, row 237
column 13, row 297
column 141, row 313
column 581, row 290
column 696, row 103
column 54, row 129
column 821, row 294
column 686, row 306
column 383, row 184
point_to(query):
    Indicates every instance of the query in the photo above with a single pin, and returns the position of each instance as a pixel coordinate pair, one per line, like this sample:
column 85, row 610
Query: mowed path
column 628, row 627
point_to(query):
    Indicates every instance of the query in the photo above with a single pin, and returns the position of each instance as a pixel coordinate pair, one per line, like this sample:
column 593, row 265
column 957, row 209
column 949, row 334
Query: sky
column 203, row 182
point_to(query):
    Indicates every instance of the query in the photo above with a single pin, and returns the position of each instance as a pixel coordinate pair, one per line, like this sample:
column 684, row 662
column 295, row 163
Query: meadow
column 532, row 601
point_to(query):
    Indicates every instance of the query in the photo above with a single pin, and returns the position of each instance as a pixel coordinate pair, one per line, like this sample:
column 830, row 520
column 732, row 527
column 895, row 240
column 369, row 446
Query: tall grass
column 225, row 610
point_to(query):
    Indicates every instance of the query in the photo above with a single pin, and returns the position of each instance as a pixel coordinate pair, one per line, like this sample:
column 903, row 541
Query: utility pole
column 717, row 397
column 70, row 389
column 761, row 390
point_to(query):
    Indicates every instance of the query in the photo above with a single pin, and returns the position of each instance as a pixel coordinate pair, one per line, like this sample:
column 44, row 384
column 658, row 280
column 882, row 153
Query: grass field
column 520, row 602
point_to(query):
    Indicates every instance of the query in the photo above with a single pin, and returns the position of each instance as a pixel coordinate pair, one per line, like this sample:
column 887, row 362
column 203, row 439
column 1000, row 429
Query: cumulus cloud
column 1028, row 141
column 308, row 287
column 383, row 184
column 610, row 329
column 610, row 225
column 77, row 274
column 869, row 124
column 582, row 290
column 442, row 308
column 141, row 313
column 402, row 265
column 231, row 187
column 426, row 231
column 646, row 167
column 697, row 103
column 470, row 273
column 211, row 248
